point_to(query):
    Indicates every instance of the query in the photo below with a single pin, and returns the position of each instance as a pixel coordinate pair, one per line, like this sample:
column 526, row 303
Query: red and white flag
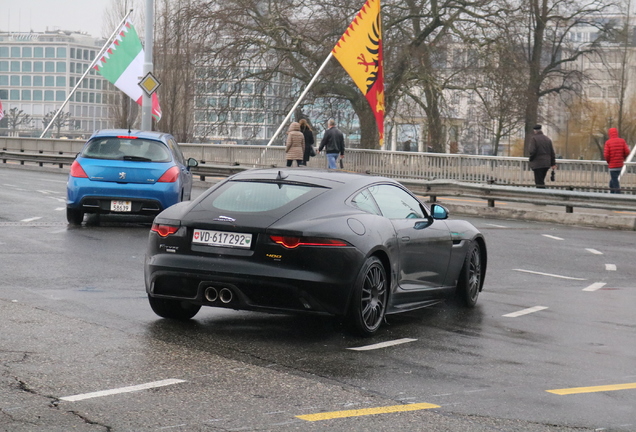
column 1, row 111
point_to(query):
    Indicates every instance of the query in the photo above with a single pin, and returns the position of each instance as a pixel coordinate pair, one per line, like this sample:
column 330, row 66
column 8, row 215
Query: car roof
column 160, row 136
column 319, row 177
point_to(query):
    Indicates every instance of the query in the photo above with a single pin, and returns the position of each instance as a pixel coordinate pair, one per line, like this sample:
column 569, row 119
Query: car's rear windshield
column 254, row 197
column 127, row 149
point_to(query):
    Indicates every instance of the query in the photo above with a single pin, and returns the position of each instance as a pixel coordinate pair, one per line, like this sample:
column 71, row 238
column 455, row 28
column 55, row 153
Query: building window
column 4, row 52
column 14, row 94
column 15, row 52
column 38, row 52
column 49, row 81
column 98, row 84
column 4, row 66
column 49, row 66
column 27, row 52
column 15, row 66
column 98, row 98
column 4, row 80
column 37, row 95
column 26, row 66
column 91, row 83
column 26, row 80
column 49, row 52
column 85, row 97
column 72, row 53
column 48, row 95
column 26, row 95
column 61, row 52
column 38, row 66
column 85, row 55
column 60, row 95
column 72, row 67
column 60, row 81
column 91, row 98
column 15, row 80
column 37, row 81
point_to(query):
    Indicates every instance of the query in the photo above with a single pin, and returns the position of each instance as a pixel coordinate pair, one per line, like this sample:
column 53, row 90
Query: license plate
column 222, row 238
column 121, row 206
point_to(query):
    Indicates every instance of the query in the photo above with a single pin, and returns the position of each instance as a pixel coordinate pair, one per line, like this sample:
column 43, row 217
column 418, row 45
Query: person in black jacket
column 309, row 139
column 333, row 143
column 542, row 156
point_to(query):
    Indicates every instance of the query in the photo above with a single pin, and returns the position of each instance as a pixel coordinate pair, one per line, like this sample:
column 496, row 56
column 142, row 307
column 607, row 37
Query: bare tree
column 17, row 118
column 62, row 120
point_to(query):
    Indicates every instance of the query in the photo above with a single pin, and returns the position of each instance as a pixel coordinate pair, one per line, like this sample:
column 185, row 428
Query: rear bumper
column 95, row 196
column 253, row 286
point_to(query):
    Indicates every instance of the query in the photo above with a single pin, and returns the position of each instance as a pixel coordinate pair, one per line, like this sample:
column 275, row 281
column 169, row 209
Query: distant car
column 301, row 240
column 127, row 172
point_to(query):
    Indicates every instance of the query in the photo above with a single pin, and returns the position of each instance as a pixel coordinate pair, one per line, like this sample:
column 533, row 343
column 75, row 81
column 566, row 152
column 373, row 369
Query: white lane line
column 594, row 251
column 551, row 237
column 497, row 226
column 130, row 389
column 60, row 208
column 610, row 267
column 383, row 344
column 31, row 219
column 548, row 274
column 595, row 286
column 526, row 311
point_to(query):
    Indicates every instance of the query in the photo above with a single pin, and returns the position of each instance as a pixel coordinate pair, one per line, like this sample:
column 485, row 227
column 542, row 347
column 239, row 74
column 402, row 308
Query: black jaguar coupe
column 311, row 241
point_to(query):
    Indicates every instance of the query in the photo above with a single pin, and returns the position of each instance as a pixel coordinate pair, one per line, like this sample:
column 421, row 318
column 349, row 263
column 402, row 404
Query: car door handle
column 405, row 238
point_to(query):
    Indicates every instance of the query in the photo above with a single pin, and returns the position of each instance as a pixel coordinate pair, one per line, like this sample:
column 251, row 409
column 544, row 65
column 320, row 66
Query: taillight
column 164, row 230
column 170, row 176
column 77, row 170
column 294, row 242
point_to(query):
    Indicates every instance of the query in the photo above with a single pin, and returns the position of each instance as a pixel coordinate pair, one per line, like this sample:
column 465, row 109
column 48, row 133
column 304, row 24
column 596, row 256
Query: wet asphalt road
column 75, row 319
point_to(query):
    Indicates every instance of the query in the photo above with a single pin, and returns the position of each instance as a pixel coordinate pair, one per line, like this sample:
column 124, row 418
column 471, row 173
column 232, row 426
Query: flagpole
column 324, row 64
column 146, row 100
column 88, row 69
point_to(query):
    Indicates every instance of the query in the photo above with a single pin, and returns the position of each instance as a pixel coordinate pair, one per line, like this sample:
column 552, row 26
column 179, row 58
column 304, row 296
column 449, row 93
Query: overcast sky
column 38, row 15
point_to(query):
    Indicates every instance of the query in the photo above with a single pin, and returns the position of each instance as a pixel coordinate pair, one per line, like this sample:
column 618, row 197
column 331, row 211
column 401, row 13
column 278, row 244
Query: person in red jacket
column 615, row 152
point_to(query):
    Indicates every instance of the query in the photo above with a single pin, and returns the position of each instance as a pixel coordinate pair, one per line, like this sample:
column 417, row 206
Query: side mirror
column 192, row 162
column 439, row 212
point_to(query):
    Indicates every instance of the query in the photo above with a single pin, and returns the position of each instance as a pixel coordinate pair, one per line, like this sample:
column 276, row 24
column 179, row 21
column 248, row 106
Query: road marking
column 526, row 311
column 31, row 219
column 549, row 274
column 595, row 389
column 610, row 267
column 497, row 226
column 367, row 411
column 130, row 389
column 551, row 237
column 383, row 344
column 60, row 208
column 594, row 251
column 595, row 286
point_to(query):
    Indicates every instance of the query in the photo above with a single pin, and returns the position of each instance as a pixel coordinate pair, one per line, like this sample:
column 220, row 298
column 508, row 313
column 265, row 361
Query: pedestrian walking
column 295, row 145
column 615, row 152
column 333, row 143
column 542, row 156
column 308, row 133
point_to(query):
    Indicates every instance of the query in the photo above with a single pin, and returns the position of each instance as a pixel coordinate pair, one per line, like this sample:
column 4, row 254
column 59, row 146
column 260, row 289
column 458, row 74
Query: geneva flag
column 359, row 51
column 123, row 63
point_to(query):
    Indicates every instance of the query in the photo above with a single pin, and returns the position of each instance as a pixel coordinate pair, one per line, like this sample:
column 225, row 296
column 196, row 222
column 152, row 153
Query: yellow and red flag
column 359, row 51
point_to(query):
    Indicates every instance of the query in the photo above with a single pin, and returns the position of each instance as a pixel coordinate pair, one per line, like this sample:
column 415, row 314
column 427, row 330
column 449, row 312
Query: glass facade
column 39, row 70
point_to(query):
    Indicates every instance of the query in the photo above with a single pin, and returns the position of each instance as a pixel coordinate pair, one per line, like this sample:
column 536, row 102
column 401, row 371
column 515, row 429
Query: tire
column 173, row 309
column 369, row 298
column 470, row 278
column 74, row 216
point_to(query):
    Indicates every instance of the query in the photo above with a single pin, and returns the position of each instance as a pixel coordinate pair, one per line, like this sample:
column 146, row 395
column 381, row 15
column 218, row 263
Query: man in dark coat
column 542, row 156
column 333, row 143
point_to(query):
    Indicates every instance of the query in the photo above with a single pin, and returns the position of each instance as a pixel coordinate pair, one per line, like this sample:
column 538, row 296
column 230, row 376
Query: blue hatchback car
column 127, row 172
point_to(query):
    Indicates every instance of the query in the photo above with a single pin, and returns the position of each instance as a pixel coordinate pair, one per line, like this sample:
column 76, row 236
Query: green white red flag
column 122, row 65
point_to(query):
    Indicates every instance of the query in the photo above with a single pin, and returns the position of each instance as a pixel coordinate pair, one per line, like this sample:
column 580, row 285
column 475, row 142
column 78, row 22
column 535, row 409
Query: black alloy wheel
column 469, row 282
column 74, row 216
column 369, row 298
column 173, row 309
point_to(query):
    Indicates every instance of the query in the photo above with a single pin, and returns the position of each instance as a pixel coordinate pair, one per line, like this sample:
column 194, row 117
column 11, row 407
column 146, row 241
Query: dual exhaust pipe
column 212, row 294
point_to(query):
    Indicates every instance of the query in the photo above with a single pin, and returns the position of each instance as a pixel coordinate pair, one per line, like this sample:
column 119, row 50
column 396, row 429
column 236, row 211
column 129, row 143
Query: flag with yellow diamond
column 359, row 51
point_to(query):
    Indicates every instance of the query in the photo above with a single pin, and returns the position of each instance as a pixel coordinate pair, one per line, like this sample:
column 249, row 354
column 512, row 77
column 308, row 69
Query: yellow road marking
column 604, row 388
column 366, row 411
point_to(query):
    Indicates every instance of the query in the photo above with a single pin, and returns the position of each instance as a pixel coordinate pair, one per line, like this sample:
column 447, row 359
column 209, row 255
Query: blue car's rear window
column 253, row 197
column 127, row 149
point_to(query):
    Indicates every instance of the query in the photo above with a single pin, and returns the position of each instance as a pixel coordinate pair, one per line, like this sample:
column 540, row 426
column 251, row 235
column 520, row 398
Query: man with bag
column 333, row 143
column 542, row 156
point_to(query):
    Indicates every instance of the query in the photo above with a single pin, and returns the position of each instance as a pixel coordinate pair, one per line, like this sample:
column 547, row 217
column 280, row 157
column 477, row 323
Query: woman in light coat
column 295, row 145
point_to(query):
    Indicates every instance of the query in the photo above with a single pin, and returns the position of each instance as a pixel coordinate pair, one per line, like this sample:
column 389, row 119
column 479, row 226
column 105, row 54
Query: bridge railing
column 584, row 175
